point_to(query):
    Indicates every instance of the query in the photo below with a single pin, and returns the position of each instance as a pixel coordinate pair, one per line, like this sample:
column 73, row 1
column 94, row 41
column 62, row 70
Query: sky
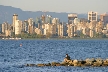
column 69, row 6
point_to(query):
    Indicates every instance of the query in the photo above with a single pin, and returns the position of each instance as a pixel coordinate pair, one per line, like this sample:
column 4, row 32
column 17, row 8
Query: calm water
column 13, row 57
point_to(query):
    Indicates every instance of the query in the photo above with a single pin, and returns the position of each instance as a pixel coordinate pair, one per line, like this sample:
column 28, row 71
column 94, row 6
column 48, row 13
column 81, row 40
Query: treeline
column 48, row 35
column 34, row 35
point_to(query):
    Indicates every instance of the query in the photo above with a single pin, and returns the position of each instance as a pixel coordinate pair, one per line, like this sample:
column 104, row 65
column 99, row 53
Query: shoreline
column 58, row 39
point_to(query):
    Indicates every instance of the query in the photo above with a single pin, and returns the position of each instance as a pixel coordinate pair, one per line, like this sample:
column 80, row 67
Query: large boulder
column 70, row 63
column 97, row 64
column 75, row 62
column 66, row 60
column 105, row 62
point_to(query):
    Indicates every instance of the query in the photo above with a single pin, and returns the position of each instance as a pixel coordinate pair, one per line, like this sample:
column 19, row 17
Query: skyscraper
column 49, row 19
column 92, row 16
column 71, row 18
column 4, row 27
column 55, row 20
column 104, row 18
column 76, row 21
column 15, row 17
column 17, row 27
column 30, row 26
column 0, row 28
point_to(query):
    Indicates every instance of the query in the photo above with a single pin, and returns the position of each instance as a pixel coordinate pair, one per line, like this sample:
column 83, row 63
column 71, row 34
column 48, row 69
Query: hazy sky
column 77, row 6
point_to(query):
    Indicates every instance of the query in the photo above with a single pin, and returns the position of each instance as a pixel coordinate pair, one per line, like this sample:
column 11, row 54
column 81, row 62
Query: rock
column 83, row 62
column 30, row 65
column 105, row 63
column 90, row 61
column 79, row 63
column 64, row 64
column 87, row 64
column 97, row 64
column 75, row 61
column 75, row 65
column 66, row 60
column 40, row 65
column 27, row 65
column 106, row 60
column 58, row 64
column 48, row 64
column 71, row 63
column 99, row 60
column 54, row 63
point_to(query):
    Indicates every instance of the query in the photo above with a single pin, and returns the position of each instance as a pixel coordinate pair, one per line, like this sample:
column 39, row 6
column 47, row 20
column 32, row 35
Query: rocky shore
column 98, row 62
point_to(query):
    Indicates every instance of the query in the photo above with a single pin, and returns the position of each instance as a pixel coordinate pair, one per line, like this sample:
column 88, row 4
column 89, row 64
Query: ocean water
column 13, row 57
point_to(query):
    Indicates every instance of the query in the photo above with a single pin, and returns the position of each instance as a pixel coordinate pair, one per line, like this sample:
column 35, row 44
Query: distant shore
column 58, row 39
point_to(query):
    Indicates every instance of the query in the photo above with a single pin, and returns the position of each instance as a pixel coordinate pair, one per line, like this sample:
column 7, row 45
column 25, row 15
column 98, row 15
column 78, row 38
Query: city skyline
column 52, row 27
column 72, row 6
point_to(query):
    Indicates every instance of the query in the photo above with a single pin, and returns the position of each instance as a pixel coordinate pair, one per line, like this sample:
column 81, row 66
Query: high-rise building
column 49, row 19
column 8, row 32
column 104, row 18
column 76, row 21
column 47, row 29
column 62, row 29
column 55, row 20
column 25, row 26
column 43, row 19
column 92, row 16
column 71, row 18
column 83, row 20
column 39, row 20
column 4, row 27
column 30, row 26
column 17, row 27
column 0, row 28
column 71, row 30
column 15, row 17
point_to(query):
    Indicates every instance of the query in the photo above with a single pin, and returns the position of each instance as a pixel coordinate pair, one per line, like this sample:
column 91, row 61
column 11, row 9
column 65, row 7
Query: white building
column 30, row 26
column 71, row 30
column 76, row 21
column 17, row 27
column 15, row 17
column 62, row 29
column 92, row 33
column 4, row 27
column 92, row 16
column 55, row 20
column 71, row 18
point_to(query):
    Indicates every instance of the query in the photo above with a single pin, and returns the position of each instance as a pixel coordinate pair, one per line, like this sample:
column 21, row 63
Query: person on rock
column 67, row 58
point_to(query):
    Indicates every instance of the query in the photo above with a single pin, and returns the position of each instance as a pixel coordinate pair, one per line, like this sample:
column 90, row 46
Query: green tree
column 81, row 35
column 13, row 34
column 100, row 35
column 18, row 35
